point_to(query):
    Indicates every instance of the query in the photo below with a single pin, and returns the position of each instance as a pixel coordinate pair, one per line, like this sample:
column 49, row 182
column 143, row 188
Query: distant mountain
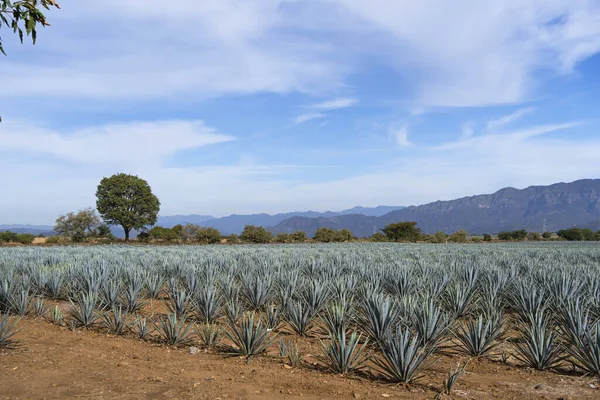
column 45, row 230
column 236, row 223
column 535, row 208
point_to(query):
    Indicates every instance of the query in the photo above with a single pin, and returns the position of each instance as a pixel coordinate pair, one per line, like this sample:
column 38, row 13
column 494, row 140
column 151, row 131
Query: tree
column 282, row 238
column 208, row 235
column 521, row 234
column 576, row 234
column 487, row 237
column 78, row 226
column 402, row 232
column 160, row 233
column 440, row 237
column 128, row 201
column 459, row 236
column 298, row 236
column 256, row 234
column 324, row 235
column 343, row 235
column 547, row 235
column 27, row 12
column 379, row 237
column 534, row 236
column 104, row 231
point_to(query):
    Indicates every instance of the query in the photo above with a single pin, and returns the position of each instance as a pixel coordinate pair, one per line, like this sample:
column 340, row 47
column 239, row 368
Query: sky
column 236, row 106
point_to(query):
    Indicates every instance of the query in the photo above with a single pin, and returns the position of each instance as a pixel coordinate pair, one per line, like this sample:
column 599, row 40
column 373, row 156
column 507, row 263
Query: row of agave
column 386, row 306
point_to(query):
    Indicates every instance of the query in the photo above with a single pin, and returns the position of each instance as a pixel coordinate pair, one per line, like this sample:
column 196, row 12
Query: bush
column 12, row 237
column 298, row 236
column 459, row 236
column 53, row 240
column 403, row 232
column 208, row 235
column 534, row 236
column 547, row 235
column 439, row 237
column 327, row 235
column 256, row 234
column 282, row 238
column 379, row 237
column 577, row 234
column 160, row 233
column 487, row 237
column 520, row 234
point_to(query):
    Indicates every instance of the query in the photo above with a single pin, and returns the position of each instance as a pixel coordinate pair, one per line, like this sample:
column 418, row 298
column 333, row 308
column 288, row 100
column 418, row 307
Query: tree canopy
column 78, row 225
column 128, row 201
column 402, row 232
column 23, row 17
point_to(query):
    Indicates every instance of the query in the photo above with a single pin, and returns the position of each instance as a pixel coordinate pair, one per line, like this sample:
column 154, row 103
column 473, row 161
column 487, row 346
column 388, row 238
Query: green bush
column 578, row 234
column 53, row 240
column 208, row 235
column 487, row 237
column 298, row 237
column 547, row 235
column 160, row 233
column 403, row 232
column 379, row 237
column 459, row 236
column 256, row 234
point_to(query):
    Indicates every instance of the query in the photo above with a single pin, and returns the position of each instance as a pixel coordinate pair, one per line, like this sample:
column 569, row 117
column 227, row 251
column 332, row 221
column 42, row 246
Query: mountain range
column 536, row 209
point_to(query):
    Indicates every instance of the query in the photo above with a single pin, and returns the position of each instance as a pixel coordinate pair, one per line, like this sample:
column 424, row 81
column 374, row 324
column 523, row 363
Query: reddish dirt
column 53, row 362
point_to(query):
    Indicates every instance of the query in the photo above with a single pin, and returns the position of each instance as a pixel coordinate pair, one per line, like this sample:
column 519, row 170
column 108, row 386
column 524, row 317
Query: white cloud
column 401, row 136
column 335, row 104
column 498, row 123
column 307, row 117
column 318, row 110
column 459, row 53
column 134, row 143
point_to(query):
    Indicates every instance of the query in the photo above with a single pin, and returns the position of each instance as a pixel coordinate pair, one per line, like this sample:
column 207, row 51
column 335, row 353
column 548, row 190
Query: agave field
column 381, row 311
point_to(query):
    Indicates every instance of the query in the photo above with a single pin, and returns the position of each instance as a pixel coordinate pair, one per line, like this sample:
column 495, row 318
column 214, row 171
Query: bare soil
column 54, row 362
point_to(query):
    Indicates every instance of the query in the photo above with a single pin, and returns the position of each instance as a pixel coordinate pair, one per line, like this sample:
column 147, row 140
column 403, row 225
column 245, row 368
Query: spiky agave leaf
column 141, row 326
column 586, row 351
column 84, row 311
column 453, row 376
column 8, row 329
column 250, row 338
column 209, row 334
column 20, row 302
column 478, row 338
column 344, row 356
column 299, row 317
column 272, row 317
column 430, row 323
column 173, row 330
column 116, row 320
column 207, row 304
column 539, row 347
column 402, row 359
column 335, row 320
column 379, row 316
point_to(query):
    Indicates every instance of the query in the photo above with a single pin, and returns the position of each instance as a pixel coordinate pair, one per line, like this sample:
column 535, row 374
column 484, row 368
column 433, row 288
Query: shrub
column 487, row 237
column 256, row 234
column 160, row 233
column 25, row 238
column 282, row 238
column 547, row 235
column 403, row 232
column 534, row 236
column 379, row 237
column 459, row 236
column 208, row 235
column 298, row 236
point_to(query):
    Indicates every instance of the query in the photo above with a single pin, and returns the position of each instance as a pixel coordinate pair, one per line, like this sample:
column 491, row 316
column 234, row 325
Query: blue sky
column 231, row 106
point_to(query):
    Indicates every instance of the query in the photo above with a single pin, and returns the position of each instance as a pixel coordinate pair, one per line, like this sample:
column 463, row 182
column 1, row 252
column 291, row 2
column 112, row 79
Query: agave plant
column 586, row 351
column 379, row 316
column 335, row 320
column 141, row 326
column 207, row 304
column 209, row 334
column 116, row 320
column 344, row 356
column 299, row 317
column 272, row 317
column 453, row 376
column 290, row 352
column 57, row 315
column 20, row 302
column 8, row 329
column 179, row 302
column 257, row 291
column 479, row 337
column 539, row 348
column 39, row 307
column 402, row 359
column 459, row 299
column 250, row 338
column 83, row 312
column 173, row 330
column 430, row 323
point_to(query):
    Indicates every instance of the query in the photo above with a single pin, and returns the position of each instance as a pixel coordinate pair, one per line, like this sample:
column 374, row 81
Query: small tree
column 324, row 235
column 378, row 237
column 128, row 201
column 487, row 237
column 343, row 235
column 403, row 232
column 160, row 233
column 459, row 236
column 208, row 235
column 440, row 237
column 78, row 226
column 298, row 237
column 547, row 235
column 282, row 238
column 520, row 234
column 534, row 236
column 256, row 234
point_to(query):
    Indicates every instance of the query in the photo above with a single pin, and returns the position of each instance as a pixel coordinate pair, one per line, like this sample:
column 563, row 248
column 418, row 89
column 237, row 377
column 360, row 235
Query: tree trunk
column 126, row 233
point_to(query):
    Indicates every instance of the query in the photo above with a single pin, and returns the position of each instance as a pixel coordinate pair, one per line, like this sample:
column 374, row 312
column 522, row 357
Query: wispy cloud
column 131, row 143
column 335, row 104
column 496, row 124
column 307, row 117
column 400, row 135
column 318, row 110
